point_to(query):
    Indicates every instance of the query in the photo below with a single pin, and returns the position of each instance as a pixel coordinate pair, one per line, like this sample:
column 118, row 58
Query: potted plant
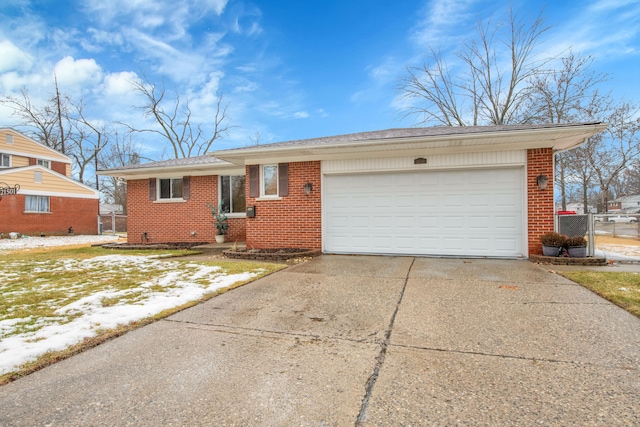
column 577, row 247
column 552, row 243
column 220, row 220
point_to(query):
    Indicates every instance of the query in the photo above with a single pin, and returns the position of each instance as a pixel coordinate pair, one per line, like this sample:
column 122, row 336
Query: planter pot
column 219, row 238
column 577, row 251
column 550, row 250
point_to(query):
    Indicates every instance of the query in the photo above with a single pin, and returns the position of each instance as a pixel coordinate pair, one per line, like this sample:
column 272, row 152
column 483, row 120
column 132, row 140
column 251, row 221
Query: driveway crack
column 371, row 382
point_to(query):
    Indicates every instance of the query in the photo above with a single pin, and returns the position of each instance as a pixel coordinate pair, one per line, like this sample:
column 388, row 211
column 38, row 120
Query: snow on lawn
column 167, row 284
column 617, row 252
column 29, row 242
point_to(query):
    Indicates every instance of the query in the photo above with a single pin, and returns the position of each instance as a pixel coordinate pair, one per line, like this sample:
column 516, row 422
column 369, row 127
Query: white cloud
column 117, row 84
column 13, row 58
column 301, row 115
column 442, row 22
column 72, row 73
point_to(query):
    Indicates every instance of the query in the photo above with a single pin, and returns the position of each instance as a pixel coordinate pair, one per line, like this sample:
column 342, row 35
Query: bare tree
column 41, row 122
column 611, row 152
column 561, row 96
column 122, row 151
column 174, row 120
column 491, row 86
column 62, row 124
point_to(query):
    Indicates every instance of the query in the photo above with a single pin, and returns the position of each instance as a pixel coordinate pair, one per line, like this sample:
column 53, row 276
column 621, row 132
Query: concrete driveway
column 364, row 341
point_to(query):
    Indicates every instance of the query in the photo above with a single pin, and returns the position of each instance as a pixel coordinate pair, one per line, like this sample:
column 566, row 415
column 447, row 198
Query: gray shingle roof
column 400, row 133
column 187, row 161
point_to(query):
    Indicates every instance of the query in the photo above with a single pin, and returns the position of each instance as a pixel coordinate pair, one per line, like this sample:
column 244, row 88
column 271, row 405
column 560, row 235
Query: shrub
column 553, row 239
column 576, row 241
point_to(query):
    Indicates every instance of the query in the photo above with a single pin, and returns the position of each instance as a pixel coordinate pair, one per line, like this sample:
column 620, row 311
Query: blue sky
column 287, row 69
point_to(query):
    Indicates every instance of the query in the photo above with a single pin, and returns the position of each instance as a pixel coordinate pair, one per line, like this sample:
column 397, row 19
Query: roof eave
column 178, row 170
column 557, row 138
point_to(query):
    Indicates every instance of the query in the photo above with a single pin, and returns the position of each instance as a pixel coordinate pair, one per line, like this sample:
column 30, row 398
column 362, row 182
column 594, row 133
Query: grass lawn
column 622, row 289
column 55, row 302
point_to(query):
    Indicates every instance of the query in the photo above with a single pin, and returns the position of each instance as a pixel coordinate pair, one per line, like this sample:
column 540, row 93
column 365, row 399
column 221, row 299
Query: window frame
column 3, row 156
column 38, row 203
column 44, row 163
column 263, row 182
column 159, row 197
column 231, row 177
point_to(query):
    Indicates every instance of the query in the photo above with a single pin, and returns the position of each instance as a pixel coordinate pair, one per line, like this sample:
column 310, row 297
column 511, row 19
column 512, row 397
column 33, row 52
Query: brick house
column 47, row 200
column 448, row 191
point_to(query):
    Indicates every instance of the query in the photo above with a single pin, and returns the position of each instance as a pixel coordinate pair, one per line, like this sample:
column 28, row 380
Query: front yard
column 53, row 300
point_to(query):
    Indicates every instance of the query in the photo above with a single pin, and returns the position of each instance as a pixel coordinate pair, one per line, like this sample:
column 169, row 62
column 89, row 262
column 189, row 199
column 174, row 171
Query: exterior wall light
column 307, row 188
column 542, row 181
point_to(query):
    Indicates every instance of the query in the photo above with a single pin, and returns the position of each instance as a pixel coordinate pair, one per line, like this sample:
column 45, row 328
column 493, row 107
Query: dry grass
column 610, row 240
column 622, row 289
column 37, row 285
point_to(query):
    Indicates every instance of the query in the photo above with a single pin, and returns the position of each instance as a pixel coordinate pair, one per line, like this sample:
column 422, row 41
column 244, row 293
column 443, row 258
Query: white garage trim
column 446, row 212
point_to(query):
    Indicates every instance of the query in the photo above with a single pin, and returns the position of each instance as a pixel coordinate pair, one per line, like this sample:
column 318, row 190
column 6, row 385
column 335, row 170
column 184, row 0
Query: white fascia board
column 173, row 171
column 96, row 193
column 558, row 138
column 95, row 196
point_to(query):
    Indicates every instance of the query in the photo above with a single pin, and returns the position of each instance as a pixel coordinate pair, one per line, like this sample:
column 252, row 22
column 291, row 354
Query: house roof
column 381, row 143
column 52, row 154
column 193, row 166
column 418, row 141
column 627, row 199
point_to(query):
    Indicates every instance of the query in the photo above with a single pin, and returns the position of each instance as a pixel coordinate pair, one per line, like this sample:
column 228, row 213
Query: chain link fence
column 597, row 227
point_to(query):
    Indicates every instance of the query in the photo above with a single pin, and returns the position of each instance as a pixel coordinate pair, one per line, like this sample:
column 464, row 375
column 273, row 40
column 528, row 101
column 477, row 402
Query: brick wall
column 539, row 202
column 294, row 221
column 175, row 222
column 65, row 212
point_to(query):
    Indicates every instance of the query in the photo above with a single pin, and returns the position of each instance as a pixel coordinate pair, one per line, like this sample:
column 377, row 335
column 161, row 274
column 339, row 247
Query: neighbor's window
column 170, row 188
column 36, row 203
column 44, row 163
column 270, row 180
column 5, row 161
column 9, row 139
column 232, row 194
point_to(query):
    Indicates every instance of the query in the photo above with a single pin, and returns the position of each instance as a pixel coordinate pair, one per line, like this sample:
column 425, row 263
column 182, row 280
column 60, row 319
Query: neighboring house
column 577, row 208
column 110, row 208
column 446, row 191
column 48, row 201
column 627, row 204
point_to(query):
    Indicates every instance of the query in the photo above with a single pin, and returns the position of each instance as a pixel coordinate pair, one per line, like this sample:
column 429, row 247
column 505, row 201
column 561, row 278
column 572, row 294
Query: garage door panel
column 472, row 213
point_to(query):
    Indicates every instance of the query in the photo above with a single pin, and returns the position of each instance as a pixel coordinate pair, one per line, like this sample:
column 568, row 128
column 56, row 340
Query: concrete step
column 217, row 248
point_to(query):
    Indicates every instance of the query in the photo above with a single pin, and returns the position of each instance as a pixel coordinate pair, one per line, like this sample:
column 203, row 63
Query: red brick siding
column 59, row 167
column 65, row 212
column 540, row 205
column 174, row 222
column 295, row 221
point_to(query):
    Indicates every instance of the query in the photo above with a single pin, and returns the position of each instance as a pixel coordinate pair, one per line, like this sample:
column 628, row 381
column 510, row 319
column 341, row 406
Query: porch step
column 217, row 248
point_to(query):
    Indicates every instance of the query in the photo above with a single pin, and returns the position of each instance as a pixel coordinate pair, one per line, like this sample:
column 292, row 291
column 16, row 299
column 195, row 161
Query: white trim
column 262, row 182
column 95, row 192
column 3, row 152
column 56, row 194
column 265, row 198
column 170, row 201
column 434, row 162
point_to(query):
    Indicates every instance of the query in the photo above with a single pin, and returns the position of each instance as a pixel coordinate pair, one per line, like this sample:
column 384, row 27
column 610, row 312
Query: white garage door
column 460, row 213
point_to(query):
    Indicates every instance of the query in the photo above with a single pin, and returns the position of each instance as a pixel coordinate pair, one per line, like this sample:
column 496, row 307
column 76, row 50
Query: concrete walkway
column 359, row 341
